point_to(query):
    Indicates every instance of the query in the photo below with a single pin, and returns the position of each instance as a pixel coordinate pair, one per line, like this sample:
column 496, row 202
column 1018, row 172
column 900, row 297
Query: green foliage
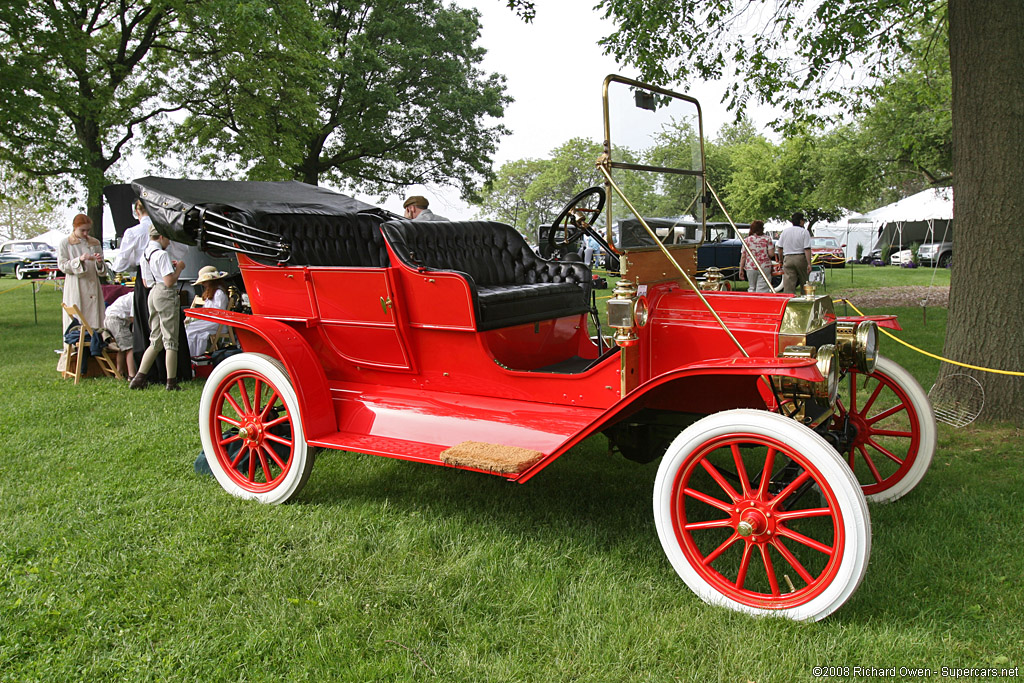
column 529, row 193
column 796, row 57
column 77, row 80
column 26, row 208
column 368, row 96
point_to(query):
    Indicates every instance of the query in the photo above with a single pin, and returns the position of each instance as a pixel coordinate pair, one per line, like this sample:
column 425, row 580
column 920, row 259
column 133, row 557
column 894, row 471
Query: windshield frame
column 700, row 174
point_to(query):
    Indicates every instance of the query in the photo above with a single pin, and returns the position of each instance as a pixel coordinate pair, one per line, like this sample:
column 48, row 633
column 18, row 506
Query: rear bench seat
column 511, row 285
column 319, row 240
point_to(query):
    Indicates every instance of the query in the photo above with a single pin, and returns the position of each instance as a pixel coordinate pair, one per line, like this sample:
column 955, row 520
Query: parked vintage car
column 27, row 259
column 453, row 344
column 936, row 254
column 826, row 251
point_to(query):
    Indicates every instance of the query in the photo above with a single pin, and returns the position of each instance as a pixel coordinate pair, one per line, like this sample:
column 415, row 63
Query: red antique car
column 454, row 344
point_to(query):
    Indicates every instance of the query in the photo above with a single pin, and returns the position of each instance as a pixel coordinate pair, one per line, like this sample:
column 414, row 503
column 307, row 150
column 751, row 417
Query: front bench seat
column 511, row 285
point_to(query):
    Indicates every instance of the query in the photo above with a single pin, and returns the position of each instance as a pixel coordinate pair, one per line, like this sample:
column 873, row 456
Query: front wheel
column 251, row 429
column 19, row 273
column 759, row 514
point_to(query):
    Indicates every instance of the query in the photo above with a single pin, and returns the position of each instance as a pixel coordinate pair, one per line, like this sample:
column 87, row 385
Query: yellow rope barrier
column 932, row 355
column 26, row 282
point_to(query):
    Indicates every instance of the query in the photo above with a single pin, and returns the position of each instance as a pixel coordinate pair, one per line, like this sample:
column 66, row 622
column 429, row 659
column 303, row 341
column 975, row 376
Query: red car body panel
column 395, row 354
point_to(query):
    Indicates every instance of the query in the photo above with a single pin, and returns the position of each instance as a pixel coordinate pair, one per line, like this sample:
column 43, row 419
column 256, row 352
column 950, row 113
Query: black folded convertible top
column 171, row 200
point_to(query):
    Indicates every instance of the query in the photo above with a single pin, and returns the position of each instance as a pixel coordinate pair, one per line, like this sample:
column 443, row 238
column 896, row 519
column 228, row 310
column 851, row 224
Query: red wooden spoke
column 244, row 395
column 712, row 524
column 793, row 486
column 270, row 403
column 741, row 471
column 230, row 399
column 793, row 562
column 224, row 418
column 720, row 549
column 273, row 456
column 885, row 451
column 769, row 570
column 871, row 464
column 766, row 474
column 717, row 476
column 705, row 498
column 809, row 542
column 887, row 413
column 277, row 439
column 803, row 514
column 741, row 575
column 871, row 401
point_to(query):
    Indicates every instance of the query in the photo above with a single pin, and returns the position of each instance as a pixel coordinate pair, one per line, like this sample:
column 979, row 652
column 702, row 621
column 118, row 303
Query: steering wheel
column 575, row 219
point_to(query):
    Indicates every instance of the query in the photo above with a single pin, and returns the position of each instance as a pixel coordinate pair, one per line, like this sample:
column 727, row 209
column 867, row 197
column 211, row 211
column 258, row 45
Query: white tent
column 923, row 217
column 927, row 205
column 51, row 237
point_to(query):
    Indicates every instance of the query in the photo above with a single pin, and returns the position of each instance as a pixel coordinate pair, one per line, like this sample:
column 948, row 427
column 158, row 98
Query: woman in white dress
column 215, row 295
column 80, row 257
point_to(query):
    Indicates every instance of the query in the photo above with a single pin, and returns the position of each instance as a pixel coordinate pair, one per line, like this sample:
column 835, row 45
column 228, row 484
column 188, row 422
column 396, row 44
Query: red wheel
column 758, row 513
column 251, row 430
column 892, row 430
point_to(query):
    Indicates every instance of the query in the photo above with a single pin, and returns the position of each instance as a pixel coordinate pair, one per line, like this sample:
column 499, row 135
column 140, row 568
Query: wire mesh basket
column 957, row 399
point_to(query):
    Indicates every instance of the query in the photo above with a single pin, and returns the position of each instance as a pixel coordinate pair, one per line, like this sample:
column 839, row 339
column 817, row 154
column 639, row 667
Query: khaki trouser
column 794, row 272
column 163, row 317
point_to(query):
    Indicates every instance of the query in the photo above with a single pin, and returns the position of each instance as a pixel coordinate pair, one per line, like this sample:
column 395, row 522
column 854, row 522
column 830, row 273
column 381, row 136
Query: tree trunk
column 986, row 304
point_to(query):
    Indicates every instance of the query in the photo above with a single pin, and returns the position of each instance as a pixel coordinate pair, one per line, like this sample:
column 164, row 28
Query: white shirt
column 793, row 240
column 156, row 263
column 122, row 306
column 133, row 243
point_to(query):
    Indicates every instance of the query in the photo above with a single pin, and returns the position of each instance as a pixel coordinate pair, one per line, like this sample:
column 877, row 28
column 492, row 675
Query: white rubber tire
column 836, row 475
column 301, row 461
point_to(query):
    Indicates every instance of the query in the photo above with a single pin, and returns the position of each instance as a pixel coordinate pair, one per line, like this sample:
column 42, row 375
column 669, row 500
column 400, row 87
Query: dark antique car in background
column 453, row 344
column 27, row 259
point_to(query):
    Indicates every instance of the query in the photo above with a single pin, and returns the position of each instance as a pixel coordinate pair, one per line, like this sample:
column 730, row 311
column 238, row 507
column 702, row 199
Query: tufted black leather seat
column 511, row 285
column 319, row 240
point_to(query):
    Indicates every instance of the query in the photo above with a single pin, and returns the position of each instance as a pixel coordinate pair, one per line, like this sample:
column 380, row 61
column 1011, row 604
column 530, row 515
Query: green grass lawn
column 117, row 562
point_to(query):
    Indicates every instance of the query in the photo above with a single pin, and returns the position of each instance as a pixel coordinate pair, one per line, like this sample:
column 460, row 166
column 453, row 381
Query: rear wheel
column 251, row 429
column 892, row 426
column 759, row 514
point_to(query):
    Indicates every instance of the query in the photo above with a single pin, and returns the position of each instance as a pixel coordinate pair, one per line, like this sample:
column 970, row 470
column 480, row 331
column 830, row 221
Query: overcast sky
column 554, row 70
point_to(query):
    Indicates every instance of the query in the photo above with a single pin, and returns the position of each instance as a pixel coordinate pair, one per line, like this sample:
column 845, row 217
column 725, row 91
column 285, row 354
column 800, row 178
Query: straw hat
column 207, row 273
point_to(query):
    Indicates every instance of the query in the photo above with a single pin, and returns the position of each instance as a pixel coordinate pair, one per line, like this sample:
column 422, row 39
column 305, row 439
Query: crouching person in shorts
column 118, row 320
column 161, row 274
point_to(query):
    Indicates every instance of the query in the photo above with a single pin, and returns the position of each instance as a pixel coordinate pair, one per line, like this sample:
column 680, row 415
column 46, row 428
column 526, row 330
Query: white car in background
column 898, row 258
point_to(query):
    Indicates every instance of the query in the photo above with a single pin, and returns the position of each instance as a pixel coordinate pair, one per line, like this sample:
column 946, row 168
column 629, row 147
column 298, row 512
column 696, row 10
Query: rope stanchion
column 932, row 355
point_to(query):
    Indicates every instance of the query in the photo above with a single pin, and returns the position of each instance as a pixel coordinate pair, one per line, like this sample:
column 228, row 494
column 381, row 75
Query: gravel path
column 894, row 296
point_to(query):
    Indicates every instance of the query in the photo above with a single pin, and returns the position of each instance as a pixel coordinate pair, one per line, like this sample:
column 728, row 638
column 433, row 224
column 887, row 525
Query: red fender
column 880, row 320
column 259, row 334
column 735, row 386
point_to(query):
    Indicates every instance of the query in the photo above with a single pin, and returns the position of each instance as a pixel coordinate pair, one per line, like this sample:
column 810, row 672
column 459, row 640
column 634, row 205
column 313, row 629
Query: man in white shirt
column 795, row 246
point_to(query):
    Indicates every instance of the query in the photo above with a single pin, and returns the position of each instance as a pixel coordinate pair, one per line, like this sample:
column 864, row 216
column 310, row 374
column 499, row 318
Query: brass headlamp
column 858, row 344
column 827, row 360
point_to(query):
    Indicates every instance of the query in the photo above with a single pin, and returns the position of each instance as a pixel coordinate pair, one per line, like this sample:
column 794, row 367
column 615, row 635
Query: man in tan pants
column 795, row 246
